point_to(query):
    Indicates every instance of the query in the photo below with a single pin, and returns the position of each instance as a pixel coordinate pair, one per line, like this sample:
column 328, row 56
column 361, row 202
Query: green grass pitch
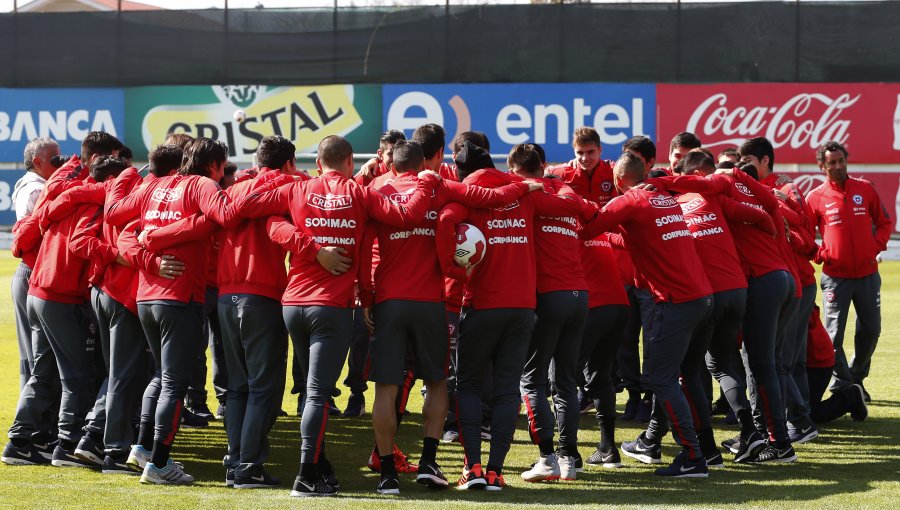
column 850, row 465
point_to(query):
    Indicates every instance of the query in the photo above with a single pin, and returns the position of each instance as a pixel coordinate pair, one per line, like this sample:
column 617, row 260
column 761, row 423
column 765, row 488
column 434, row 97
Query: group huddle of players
column 711, row 260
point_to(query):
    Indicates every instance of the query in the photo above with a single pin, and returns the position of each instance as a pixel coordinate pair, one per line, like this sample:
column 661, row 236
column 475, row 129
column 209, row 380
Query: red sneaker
column 471, row 478
column 401, row 463
column 494, row 481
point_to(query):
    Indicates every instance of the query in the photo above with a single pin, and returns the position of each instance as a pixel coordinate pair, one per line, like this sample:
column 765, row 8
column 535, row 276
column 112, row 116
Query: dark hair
column 471, row 158
column 201, row 153
column 230, row 168
column 633, row 166
column 391, row 136
column 432, row 138
column 274, row 152
column 125, row 153
column 476, row 138
column 748, row 169
column 408, row 155
column 657, row 172
column 586, row 135
column 107, row 166
column 525, row 156
column 725, row 165
column 100, row 143
column 686, row 140
column 540, row 152
column 830, row 146
column 642, row 145
column 758, row 146
column 164, row 159
column 697, row 160
column 731, row 151
column 333, row 150
column 180, row 139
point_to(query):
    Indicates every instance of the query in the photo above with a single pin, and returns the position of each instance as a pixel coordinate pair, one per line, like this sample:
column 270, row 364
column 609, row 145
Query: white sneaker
column 138, row 457
column 567, row 469
column 172, row 474
column 545, row 469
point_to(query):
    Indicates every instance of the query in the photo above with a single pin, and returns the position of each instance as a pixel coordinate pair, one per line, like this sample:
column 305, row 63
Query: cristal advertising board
column 66, row 115
column 304, row 115
column 796, row 117
column 509, row 114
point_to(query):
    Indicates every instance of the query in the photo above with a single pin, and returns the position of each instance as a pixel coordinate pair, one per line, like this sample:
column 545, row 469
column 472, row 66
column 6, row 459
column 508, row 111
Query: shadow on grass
column 825, row 467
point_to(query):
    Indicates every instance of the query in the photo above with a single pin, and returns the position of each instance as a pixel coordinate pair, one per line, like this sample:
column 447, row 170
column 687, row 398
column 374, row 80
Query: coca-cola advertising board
column 796, row 117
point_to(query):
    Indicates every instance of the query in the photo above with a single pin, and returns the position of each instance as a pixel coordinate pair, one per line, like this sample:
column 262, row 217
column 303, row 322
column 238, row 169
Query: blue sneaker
column 356, row 406
column 171, row 474
column 27, row 455
column 682, row 467
column 67, row 458
column 798, row 435
column 138, row 457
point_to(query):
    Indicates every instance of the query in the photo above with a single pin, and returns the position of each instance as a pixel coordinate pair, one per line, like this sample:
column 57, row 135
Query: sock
column 387, row 465
column 746, row 421
column 160, row 454
column 324, row 465
column 707, row 441
column 607, row 432
column 429, row 450
column 495, row 469
column 145, row 436
column 309, row 471
column 546, row 447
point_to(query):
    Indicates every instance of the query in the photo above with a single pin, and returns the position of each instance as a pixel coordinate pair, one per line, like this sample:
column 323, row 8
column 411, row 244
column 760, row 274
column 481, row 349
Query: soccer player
column 498, row 309
column 855, row 227
column 681, row 144
column 658, row 239
column 318, row 304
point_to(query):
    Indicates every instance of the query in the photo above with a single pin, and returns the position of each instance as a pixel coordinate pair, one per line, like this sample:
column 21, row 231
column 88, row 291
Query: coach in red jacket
column 855, row 227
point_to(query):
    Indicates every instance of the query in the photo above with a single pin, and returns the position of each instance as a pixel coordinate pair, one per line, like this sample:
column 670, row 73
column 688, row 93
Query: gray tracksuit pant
column 865, row 294
column 23, row 327
column 727, row 319
column 793, row 362
column 599, row 345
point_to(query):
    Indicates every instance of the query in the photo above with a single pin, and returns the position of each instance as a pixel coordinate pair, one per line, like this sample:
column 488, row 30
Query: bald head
column 629, row 171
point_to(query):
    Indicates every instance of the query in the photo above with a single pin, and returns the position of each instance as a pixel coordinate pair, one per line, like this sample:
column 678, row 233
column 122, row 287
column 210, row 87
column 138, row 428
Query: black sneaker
column 356, row 406
column 730, row 418
column 220, row 412
column 201, row 410
column 89, row 450
column 326, row 470
column 721, row 407
column 772, row 454
column 683, row 467
column 859, row 410
column 191, row 420
column 643, row 450
column 749, row 448
column 27, row 455
column 256, row 478
column 45, row 448
column 388, row 484
column 631, row 407
column 866, row 397
column 715, row 460
column 304, row 488
column 229, row 476
column 333, row 409
column 431, row 476
column 115, row 464
column 802, row 435
column 579, row 462
column 733, row 444
column 608, row 458
column 67, row 458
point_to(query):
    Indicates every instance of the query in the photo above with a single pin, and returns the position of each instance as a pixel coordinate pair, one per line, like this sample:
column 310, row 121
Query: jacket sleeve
column 122, row 206
column 66, row 202
column 546, row 204
column 881, row 220
column 266, row 201
column 765, row 196
column 283, row 233
column 615, row 213
column 193, row 228
column 86, row 241
column 445, row 238
column 736, row 212
column 26, row 235
column 216, row 205
column 131, row 251
column 382, row 209
column 478, row 197
column 71, row 174
column 364, row 271
column 691, row 184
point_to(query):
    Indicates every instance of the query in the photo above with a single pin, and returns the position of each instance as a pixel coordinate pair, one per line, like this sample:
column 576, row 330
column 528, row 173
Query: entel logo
column 164, row 195
column 329, row 202
column 516, row 123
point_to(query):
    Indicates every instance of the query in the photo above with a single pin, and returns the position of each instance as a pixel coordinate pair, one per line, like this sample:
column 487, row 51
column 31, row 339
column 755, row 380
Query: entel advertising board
column 303, row 115
column 546, row 114
column 66, row 115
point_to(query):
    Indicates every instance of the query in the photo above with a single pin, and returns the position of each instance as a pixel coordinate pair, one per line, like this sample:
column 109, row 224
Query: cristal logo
column 803, row 121
column 508, row 206
column 663, row 202
column 400, row 198
column 164, row 195
column 329, row 202
column 743, row 189
column 693, row 204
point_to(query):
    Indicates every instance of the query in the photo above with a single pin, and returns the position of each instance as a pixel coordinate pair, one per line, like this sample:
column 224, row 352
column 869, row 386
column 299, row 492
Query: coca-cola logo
column 662, row 202
column 329, row 202
column 803, row 121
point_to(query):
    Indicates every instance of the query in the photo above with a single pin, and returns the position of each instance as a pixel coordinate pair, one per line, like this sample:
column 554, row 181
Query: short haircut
column 731, row 151
column 526, row 157
column 476, row 138
column 586, row 135
column 125, row 153
column 230, row 168
column 749, row 169
column 107, row 166
column 470, row 159
column 725, row 165
column 408, row 155
column 540, row 152
column 36, row 148
column 201, row 153
column 633, row 167
column 180, row 139
column 164, row 159
column 100, row 143
column 391, row 136
column 642, row 145
column 697, row 160
column 432, row 138
column 758, row 146
column 334, row 150
column 274, row 152
column 686, row 140
column 830, row 146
